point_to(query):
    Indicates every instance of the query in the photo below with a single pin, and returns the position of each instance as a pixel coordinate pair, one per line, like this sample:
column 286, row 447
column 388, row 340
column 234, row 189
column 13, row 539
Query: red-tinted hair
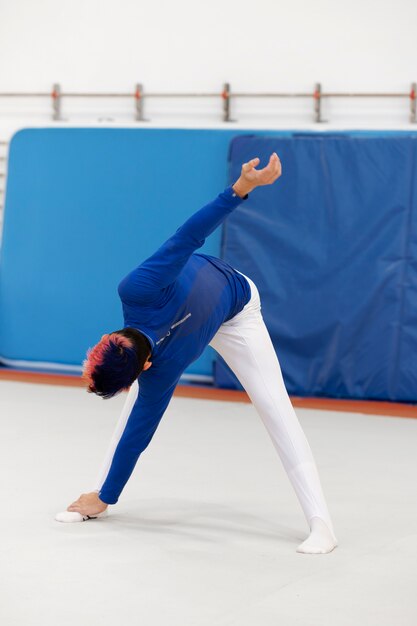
column 115, row 362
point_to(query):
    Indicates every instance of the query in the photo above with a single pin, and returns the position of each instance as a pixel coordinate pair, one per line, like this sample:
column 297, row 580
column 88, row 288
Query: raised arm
column 162, row 268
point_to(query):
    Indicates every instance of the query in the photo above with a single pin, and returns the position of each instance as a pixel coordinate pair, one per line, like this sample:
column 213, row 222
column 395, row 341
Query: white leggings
column 245, row 345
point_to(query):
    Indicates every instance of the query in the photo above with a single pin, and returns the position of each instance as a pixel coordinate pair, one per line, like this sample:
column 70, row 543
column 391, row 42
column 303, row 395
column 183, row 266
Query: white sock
column 72, row 516
column 321, row 539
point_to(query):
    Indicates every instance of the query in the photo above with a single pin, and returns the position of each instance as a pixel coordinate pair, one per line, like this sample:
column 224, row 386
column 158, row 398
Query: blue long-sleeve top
column 178, row 300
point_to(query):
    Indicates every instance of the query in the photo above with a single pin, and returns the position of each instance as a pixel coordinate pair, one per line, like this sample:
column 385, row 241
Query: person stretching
column 175, row 304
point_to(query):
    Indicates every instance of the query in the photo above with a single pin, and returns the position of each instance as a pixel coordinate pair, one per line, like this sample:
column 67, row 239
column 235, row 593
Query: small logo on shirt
column 181, row 321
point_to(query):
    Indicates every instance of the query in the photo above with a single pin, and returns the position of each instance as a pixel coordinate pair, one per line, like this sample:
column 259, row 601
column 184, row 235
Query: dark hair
column 115, row 362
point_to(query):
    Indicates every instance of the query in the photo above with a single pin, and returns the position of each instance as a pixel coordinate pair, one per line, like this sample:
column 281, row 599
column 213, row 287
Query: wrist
column 100, row 500
column 242, row 188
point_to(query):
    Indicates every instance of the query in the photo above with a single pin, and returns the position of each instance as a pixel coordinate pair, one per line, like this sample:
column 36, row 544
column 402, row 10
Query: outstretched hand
column 88, row 504
column 250, row 177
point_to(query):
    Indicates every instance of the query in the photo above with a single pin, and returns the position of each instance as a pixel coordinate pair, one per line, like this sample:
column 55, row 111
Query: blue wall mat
column 333, row 248
column 83, row 207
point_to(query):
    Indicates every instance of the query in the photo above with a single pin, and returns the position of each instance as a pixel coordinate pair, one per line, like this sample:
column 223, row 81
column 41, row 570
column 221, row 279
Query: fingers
column 274, row 162
column 276, row 165
column 86, row 504
column 75, row 506
column 246, row 167
column 271, row 172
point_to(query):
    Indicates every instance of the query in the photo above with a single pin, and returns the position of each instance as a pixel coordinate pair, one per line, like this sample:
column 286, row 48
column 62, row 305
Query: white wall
column 188, row 45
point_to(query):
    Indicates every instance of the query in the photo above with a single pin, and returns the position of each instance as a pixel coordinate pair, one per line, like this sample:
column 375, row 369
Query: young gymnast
column 175, row 304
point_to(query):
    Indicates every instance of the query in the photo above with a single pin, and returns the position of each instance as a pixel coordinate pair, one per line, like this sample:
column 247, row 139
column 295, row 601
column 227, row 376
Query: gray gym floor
column 205, row 533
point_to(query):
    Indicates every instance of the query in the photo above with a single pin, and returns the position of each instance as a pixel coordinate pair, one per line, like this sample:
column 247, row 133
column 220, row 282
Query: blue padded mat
column 332, row 247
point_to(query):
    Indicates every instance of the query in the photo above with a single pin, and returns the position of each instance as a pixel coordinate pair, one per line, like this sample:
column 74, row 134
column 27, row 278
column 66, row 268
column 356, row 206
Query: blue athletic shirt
column 178, row 300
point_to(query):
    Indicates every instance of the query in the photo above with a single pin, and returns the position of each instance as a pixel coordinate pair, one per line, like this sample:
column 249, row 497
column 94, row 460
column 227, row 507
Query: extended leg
column 245, row 345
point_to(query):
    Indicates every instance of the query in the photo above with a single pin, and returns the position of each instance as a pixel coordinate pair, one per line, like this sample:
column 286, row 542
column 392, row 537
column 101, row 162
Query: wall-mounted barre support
column 226, row 102
column 139, row 103
column 56, row 102
column 413, row 103
column 317, row 104
column 226, row 96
